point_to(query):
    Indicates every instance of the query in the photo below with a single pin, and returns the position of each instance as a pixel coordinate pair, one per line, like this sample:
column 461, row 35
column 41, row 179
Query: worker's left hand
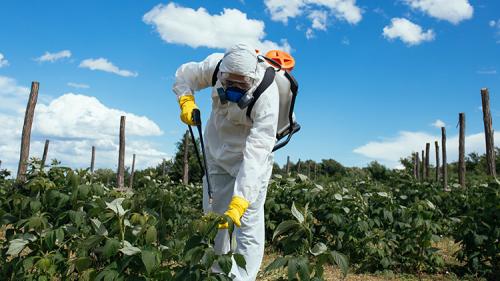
column 235, row 211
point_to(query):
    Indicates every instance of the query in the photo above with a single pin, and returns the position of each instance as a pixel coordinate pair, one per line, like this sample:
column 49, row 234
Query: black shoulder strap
column 214, row 75
column 264, row 84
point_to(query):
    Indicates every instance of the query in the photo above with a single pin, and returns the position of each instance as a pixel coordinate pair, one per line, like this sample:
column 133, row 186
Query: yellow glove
column 187, row 106
column 235, row 211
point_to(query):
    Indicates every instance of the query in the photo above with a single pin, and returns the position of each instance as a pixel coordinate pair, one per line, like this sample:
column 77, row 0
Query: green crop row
column 65, row 224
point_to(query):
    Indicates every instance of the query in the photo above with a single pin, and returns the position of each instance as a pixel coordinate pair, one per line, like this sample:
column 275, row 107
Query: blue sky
column 374, row 75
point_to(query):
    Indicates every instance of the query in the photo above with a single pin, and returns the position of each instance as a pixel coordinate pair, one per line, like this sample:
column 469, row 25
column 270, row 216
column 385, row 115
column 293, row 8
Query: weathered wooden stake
column 288, row 165
column 121, row 156
column 298, row 166
column 436, row 144
column 309, row 169
column 415, row 165
column 163, row 167
column 92, row 160
column 427, row 158
column 422, row 167
column 488, row 132
column 461, row 150
column 45, row 151
column 445, row 164
column 26, row 135
column 132, row 172
column 185, row 177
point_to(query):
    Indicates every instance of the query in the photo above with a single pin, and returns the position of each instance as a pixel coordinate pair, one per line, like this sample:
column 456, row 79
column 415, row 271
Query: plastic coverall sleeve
column 194, row 76
column 257, row 154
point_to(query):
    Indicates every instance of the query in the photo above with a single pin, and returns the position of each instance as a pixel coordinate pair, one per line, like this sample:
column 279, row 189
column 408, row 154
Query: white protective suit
column 239, row 150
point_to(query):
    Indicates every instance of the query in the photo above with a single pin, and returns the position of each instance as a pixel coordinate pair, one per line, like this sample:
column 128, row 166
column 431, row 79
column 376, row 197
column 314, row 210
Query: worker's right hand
column 187, row 105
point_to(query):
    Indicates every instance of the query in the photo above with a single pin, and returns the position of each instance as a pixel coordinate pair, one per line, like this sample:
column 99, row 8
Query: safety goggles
column 235, row 80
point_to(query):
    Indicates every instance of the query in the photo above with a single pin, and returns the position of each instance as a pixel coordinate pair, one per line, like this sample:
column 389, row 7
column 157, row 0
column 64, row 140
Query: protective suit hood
column 240, row 59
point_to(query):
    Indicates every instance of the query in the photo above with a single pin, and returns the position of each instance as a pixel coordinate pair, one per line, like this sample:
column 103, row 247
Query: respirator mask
column 235, row 89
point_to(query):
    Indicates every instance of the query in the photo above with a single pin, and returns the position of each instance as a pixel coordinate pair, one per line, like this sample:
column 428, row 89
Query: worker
column 238, row 146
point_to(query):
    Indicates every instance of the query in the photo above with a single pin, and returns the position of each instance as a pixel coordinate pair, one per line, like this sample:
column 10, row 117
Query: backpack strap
column 264, row 84
column 214, row 75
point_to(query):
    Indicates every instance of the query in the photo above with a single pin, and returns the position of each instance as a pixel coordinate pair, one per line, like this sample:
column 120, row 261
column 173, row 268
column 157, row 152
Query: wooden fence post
column 163, row 167
column 45, row 151
column 445, row 164
column 92, row 160
column 461, row 150
column 298, row 166
column 415, row 165
column 436, row 144
column 422, row 167
column 488, row 132
column 288, row 165
column 427, row 158
column 121, row 156
column 26, row 135
column 185, row 177
column 132, row 172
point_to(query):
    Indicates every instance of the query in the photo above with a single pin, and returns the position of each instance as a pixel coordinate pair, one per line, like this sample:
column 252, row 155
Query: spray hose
column 197, row 122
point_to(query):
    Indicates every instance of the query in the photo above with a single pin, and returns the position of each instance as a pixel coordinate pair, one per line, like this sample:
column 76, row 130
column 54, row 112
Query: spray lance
column 197, row 121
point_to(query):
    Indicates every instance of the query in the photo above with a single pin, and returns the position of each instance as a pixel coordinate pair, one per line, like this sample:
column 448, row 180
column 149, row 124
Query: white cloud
column 309, row 33
column 407, row 31
column 13, row 96
column 88, row 119
column 453, row 11
column 3, row 61
column 73, row 123
column 105, row 65
column 52, row 57
column 198, row 28
column 282, row 10
column 487, row 71
column 389, row 151
column 496, row 26
column 438, row 124
column 318, row 19
column 78, row 85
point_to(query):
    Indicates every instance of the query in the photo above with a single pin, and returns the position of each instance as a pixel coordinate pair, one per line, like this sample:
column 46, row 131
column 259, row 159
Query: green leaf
column 277, row 263
column 83, row 263
column 318, row 249
column 225, row 263
column 129, row 250
column 303, row 269
column 383, row 194
column 298, row 215
column 116, row 206
column 16, row 246
column 151, row 234
column 337, row 196
column 208, row 258
column 341, row 261
column 302, row 177
column 150, row 259
column 240, row 261
column 284, row 227
column 111, row 248
column 99, row 227
column 292, row 269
